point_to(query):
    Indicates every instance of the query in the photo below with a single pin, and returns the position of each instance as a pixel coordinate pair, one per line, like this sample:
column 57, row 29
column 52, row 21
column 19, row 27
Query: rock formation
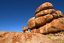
column 19, row 37
column 46, row 19
column 47, row 26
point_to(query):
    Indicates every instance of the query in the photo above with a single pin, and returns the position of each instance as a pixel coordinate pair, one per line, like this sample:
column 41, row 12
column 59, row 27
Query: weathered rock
column 39, row 21
column 58, row 23
column 35, row 30
column 54, row 26
column 18, row 37
column 31, row 22
column 46, row 19
column 57, row 14
column 44, row 6
column 25, row 29
column 44, row 12
column 43, row 19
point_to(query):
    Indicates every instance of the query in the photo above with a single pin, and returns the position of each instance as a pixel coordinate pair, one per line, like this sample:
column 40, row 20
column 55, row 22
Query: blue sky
column 14, row 14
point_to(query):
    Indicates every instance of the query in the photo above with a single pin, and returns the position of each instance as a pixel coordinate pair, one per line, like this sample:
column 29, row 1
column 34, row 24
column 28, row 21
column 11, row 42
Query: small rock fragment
column 25, row 29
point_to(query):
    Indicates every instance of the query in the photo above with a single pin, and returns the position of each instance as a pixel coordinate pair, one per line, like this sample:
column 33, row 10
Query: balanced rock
column 45, row 5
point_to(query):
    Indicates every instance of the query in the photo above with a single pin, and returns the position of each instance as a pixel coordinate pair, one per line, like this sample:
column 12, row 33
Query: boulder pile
column 46, row 20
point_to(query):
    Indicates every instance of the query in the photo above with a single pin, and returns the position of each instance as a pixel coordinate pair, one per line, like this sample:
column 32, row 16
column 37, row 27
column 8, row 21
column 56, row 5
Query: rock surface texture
column 47, row 26
column 46, row 20
column 18, row 37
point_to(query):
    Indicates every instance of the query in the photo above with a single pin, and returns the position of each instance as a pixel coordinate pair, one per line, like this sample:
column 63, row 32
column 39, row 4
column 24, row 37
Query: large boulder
column 44, row 12
column 31, row 23
column 54, row 26
column 45, row 5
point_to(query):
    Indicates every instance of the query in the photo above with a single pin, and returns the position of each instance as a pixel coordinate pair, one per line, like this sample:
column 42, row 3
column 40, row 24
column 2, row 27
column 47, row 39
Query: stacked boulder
column 46, row 19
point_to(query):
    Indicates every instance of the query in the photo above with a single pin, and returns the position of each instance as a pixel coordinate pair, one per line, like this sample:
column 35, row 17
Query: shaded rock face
column 46, row 26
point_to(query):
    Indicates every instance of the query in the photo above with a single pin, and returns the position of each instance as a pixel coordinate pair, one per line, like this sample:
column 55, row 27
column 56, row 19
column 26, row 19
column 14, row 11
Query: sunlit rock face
column 46, row 19
column 14, row 37
column 46, row 26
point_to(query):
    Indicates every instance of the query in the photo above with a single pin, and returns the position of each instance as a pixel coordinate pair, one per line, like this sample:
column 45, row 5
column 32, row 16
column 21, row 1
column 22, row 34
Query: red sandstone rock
column 58, row 23
column 39, row 21
column 45, row 12
column 54, row 26
column 34, row 30
column 44, row 6
column 31, row 22
column 46, row 19
column 18, row 37
column 43, row 19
